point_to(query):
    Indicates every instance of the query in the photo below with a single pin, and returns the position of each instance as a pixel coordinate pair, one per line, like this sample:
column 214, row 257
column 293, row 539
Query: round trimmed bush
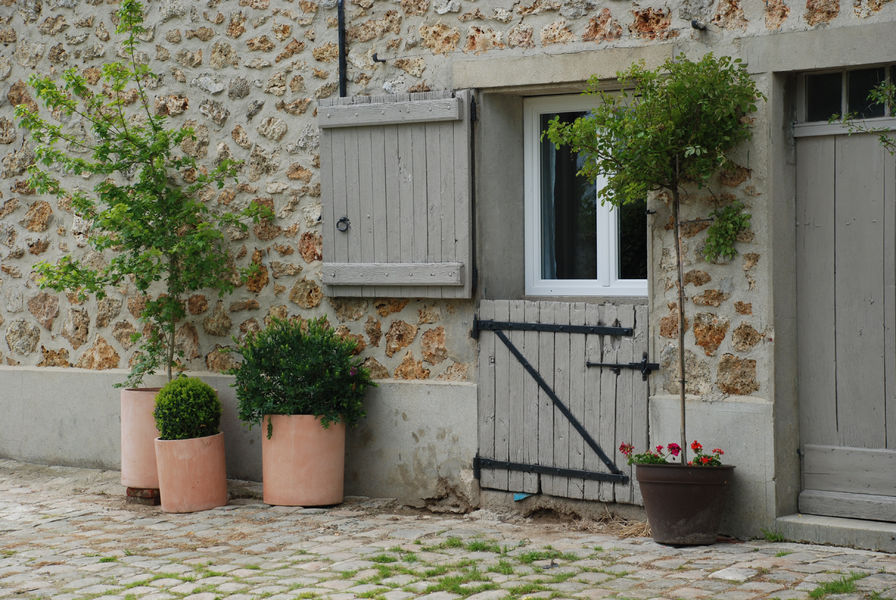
column 187, row 407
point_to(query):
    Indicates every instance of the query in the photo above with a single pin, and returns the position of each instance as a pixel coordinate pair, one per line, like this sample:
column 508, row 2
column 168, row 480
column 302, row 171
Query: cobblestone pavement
column 68, row 534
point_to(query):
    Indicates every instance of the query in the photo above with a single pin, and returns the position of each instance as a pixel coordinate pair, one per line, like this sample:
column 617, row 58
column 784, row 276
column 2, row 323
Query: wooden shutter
column 396, row 195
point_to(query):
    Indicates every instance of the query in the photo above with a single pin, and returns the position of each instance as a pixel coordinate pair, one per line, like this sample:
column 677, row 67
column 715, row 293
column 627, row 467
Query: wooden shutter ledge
column 418, row 111
column 439, row 274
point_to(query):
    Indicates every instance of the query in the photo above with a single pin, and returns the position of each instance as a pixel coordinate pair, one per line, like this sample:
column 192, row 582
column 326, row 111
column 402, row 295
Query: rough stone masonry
column 248, row 75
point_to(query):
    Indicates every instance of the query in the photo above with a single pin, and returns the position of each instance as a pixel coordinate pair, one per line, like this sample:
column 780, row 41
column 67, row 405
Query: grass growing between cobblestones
column 844, row 585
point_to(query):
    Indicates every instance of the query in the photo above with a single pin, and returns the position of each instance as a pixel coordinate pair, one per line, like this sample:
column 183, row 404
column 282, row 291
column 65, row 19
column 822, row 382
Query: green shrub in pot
column 186, row 408
column 295, row 367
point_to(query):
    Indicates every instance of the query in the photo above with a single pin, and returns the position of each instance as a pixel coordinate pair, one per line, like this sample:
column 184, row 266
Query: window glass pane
column 633, row 240
column 860, row 83
column 568, row 212
column 823, row 96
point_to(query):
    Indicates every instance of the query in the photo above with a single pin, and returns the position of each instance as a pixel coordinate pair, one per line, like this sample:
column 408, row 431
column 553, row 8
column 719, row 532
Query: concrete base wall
column 417, row 443
column 741, row 427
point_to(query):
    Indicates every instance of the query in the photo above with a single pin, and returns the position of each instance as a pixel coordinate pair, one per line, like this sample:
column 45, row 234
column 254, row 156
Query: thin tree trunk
column 676, row 206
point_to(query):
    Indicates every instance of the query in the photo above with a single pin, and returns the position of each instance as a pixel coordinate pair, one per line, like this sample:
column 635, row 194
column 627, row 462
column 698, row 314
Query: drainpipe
column 340, row 10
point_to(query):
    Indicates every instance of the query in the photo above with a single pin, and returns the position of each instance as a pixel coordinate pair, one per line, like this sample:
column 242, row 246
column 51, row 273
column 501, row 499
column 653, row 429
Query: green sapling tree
column 145, row 212
column 670, row 128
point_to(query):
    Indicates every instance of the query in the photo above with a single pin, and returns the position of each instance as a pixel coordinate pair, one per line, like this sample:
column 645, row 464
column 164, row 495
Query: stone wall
column 248, row 75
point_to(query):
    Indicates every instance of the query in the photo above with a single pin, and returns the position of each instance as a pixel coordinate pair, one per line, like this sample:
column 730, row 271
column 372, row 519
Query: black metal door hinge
column 643, row 366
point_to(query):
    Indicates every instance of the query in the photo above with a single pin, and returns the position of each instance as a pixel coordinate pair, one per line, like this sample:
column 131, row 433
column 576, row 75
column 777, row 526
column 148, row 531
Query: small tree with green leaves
column 670, row 128
column 145, row 210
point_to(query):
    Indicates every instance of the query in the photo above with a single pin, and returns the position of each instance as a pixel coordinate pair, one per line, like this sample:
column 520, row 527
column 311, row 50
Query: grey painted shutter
column 396, row 195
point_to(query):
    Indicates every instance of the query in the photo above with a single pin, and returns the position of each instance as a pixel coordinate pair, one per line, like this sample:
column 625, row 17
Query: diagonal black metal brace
column 643, row 366
column 557, row 402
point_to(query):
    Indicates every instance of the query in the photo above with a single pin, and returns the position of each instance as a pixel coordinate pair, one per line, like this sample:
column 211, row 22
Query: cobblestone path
column 68, row 534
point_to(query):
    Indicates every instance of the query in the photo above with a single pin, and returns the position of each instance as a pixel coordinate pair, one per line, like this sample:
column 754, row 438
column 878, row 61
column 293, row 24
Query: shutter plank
column 390, row 113
column 327, row 197
column 463, row 191
column 378, row 194
column 433, row 193
column 393, row 274
column 420, row 203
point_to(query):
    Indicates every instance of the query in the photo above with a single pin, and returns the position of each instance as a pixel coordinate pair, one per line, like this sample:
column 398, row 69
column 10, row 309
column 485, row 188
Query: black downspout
column 340, row 10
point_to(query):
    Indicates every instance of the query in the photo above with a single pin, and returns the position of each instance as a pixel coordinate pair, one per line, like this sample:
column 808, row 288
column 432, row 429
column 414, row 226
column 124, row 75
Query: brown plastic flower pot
column 684, row 504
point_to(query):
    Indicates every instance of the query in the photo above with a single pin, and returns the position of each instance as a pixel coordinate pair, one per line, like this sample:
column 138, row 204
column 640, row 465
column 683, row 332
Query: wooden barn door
column 548, row 422
column 846, row 303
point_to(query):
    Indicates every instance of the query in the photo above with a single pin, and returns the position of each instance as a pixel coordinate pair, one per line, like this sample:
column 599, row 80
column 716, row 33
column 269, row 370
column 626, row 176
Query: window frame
column 607, row 282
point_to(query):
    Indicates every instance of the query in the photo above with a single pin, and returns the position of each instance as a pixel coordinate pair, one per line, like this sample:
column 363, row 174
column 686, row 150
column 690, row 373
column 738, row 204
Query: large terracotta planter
column 684, row 504
column 303, row 464
column 138, row 430
column 192, row 473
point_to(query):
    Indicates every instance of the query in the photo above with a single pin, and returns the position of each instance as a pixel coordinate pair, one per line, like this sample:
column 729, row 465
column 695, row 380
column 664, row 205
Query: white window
column 574, row 245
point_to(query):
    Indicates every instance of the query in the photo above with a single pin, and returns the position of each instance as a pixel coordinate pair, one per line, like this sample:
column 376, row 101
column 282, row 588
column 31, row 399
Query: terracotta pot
column 684, row 504
column 138, row 430
column 192, row 473
column 303, row 464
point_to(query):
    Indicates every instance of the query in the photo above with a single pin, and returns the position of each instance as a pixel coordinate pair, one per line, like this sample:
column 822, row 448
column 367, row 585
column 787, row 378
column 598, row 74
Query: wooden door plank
column 608, row 398
column 486, row 397
column 889, row 277
column 852, row 506
column 853, row 470
column 577, row 399
column 503, row 399
column 545, row 366
column 859, row 294
column 625, row 390
column 815, row 289
column 562, row 370
column 517, row 378
column 531, row 395
column 593, row 398
column 640, row 437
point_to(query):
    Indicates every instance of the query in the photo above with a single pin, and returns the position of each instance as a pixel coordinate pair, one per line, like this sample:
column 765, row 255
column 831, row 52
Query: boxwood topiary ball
column 187, row 408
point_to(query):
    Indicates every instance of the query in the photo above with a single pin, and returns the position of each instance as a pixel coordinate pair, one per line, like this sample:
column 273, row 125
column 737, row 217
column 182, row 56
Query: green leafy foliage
column 669, row 128
column 674, row 124
column 728, row 222
column 300, row 368
column 884, row 93
column 187, row 407
column 145, row 209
